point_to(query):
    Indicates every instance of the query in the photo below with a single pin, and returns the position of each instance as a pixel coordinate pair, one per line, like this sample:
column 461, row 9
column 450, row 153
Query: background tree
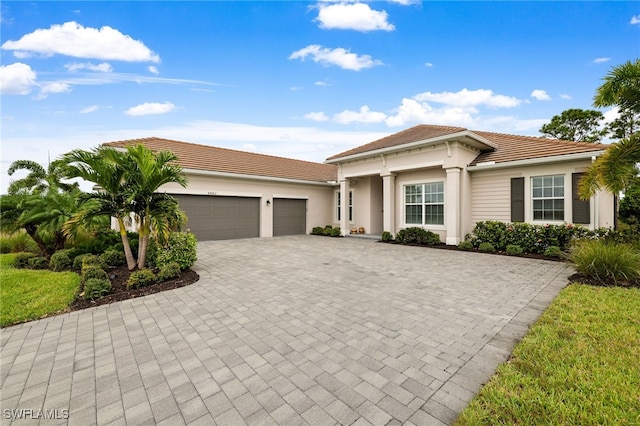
column 625, row 125
column 629, row 211
column 575, row 124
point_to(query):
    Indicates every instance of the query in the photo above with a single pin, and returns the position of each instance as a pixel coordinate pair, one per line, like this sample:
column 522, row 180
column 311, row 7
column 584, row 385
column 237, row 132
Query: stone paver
column 290, row 330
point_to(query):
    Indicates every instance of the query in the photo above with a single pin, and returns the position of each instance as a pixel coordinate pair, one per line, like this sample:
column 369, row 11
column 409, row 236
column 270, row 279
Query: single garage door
column 289, row 216
column 221, row 218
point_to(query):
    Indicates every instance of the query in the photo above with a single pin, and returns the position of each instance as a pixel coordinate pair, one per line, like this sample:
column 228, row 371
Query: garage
column 289, row 216
column 221, row 218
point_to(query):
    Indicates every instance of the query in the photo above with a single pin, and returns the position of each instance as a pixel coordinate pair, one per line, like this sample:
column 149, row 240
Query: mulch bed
column 119, row 291
column 585, row 279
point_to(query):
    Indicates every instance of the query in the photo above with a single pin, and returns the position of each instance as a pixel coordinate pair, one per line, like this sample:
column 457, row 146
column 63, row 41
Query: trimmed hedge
column 417, row 235
column 95, row 288
column 141, row 278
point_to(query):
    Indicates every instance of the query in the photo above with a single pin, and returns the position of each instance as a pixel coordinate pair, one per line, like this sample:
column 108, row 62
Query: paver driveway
column 289, row 330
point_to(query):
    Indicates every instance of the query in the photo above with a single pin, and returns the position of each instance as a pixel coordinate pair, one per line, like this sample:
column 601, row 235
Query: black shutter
column 581, row 208
column 517, row 199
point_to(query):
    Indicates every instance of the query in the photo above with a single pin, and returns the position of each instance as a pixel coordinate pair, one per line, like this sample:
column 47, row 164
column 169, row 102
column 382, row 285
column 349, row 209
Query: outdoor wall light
column 268, row 202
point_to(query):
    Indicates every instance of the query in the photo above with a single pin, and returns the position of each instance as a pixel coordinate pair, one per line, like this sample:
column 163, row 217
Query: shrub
column 514, row 250
column 113, row 257
column 88, row 259
column 168, row 271
column 141, row 278
column 326, row 231
column 77, row 262
column 38, row 262
column 487, row 248
column 21, row 260
column 93, row 271
column 606, row 261
column 181, row 248
column 417, row 235
column 553, row 251
column 317, row 230
column 335, row 232
column 17, row 243
column 61, row 260
column 95, row 288
column 465, row 245
column 386, row 236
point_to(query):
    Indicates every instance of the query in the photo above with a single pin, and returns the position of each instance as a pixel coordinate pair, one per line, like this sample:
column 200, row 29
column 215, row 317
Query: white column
column 344, row 207
column 452, row 206
column 388, row 203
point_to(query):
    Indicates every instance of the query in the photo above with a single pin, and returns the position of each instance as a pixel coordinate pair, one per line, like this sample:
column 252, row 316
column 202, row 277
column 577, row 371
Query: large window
column 548, row 197
column 424, row 204
column 339, row 206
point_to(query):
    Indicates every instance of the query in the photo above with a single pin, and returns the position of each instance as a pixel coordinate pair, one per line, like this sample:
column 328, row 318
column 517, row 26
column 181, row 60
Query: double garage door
column 226, row 218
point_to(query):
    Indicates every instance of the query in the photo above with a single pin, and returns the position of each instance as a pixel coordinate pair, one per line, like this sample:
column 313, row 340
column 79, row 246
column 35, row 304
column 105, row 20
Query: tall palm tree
column 38, row 180
column 107, row 168
column 621, row 87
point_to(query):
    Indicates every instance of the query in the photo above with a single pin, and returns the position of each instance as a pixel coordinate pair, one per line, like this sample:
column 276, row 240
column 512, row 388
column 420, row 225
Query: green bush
column 553, row 251
column 94, row 288
column 335, row 232
column 21, row 260
column 514, row 250
column 61, row 260
column 77, row 261
column 88, row 259
column 465, row 245
column 113, row 257
column 606, row 261
column 168, row 271
column 93, row 271
column 386, row 236
column 38, row 262
column 181, row 248
column 487, row 248
column 317, row 230
column 417, row 235
column 141, row 278
column 326, row 231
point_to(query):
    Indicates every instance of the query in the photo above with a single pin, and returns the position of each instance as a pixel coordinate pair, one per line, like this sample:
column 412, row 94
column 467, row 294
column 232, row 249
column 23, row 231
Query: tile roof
column 508, row 147
column 210, row 158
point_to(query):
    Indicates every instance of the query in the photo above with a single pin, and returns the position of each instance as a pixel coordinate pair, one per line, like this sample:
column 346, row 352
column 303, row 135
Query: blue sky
column 298, row 79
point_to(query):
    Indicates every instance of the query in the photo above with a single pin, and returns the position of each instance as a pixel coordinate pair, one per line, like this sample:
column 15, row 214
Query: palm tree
column 106, row 167
column 38, row 180
column 621, row 87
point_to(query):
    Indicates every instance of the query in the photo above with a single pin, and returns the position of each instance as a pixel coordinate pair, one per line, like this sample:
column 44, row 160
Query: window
column 338, row 204
column 424, row 204
column 548, row 197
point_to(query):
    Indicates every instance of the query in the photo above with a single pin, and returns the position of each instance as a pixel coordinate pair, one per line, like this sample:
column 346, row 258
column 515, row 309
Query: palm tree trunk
column 32, row 232
column 128, row 254
column 142, row 253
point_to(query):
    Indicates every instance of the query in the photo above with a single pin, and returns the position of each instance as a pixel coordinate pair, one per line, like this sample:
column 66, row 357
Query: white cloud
column 316, row 116
column 565, row 96
column 149, row 108
column 365, row 115
column 153, row 70
column 296, row 88
column 466, row 98
column 428, row 64
column 17, row 79
column 249, row 147
column 635, row 20
column 55, row 87
column 322, row 83
column 72, row 39
column 601, row 60
column 339, row 57
column 352, row 16
column 540, row 95
column 103, row 67
column 412, row 111
column 89, row 109
column 610, row 115
column 405, row 2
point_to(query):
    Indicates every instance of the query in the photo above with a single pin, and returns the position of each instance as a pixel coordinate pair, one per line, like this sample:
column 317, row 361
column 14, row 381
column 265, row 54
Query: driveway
column 288, row 330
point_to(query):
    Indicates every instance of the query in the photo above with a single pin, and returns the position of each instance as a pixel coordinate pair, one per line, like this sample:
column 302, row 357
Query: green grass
column 28, row 294
column 579, row 364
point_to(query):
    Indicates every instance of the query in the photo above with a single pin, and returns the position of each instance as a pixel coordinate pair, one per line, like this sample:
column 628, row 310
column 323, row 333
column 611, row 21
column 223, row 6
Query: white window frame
column 337, row 205
column 553, row 197
column 438, row 226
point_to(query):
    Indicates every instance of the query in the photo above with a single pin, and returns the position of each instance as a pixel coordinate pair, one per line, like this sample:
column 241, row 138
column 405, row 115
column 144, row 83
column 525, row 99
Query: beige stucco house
column 444, row 179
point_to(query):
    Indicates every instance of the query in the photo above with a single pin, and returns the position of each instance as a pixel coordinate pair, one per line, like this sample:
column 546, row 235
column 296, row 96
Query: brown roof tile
column 210, row 158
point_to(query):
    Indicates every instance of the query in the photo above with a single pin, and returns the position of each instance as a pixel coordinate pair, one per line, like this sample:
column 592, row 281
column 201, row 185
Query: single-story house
column 441, row 178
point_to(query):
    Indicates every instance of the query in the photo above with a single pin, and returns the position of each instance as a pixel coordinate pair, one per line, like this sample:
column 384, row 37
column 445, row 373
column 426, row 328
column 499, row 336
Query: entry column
column 389, row 203
column 452, row 206
column 344, row 207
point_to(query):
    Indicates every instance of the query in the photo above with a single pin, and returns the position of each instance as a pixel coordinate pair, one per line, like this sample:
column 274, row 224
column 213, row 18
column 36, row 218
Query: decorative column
column 388, row 203
column 344, row 207
column 452, row 206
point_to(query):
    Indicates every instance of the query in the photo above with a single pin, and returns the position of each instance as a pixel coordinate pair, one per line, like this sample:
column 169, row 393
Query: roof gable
column 214, row 159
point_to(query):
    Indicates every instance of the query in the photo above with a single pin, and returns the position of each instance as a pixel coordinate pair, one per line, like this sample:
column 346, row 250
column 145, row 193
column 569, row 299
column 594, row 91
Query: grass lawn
column 579, row 364
column 28, row 294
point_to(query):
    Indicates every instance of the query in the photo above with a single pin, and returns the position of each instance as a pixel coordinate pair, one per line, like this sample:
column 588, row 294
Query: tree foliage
column 575, row 125
column 621, row 87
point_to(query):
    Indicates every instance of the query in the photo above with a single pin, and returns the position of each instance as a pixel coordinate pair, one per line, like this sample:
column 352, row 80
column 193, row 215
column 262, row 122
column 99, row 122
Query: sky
column 303, row 80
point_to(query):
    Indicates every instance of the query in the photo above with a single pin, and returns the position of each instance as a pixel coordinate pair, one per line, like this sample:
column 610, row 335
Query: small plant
column 17, row 242
column 113, row 257
column 553, row 251
column 61, row 260
column 181, row 248
column 487, row 248
column 94, row 288
column 168, row 271
column 386, row 236
column 21, row 260
column 514, row 250
column 326, row 231
column 317, row 230
column 93, row 271
column 606, row 261
column 465, row 245
column 77, row 262
column 335, row 232
column 417, row 235
column 38, row 262
column 141, row 278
